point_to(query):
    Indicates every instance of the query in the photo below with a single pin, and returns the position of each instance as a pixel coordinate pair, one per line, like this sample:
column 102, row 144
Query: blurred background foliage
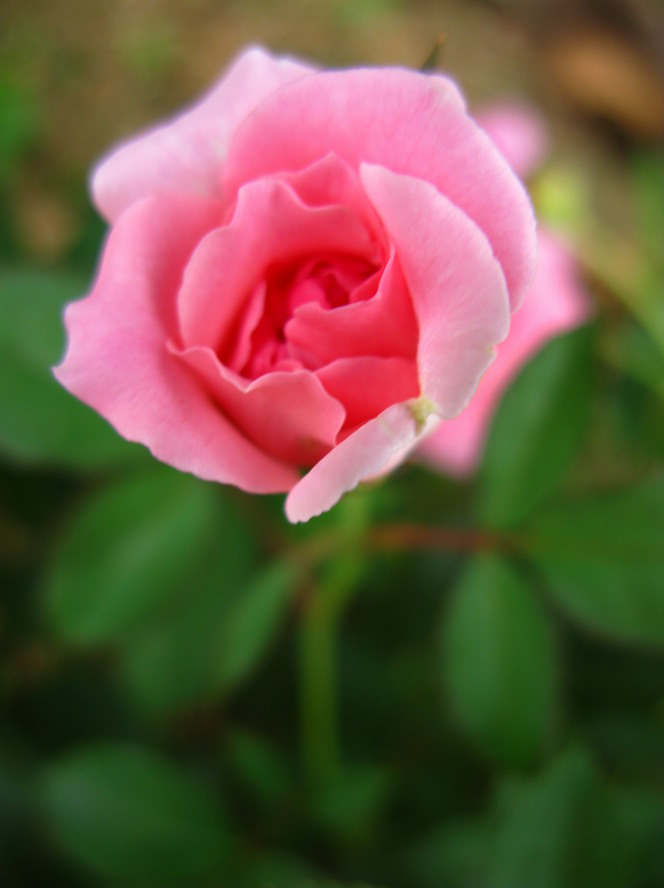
column 437, row 684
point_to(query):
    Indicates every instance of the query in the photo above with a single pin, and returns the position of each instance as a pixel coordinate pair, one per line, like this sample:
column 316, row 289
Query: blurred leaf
column 634, row 352
column 272, row 870
column 537, row 430
column 253, row 622
column 127, row 813
column 499, row 661
column 557, row 831
column 259, row 765
column 603, row 560
column 639, row 812
column 172, row 662
column 646, row 300
column 632, row 745
column 454, row 855
column 41, row 422
column 128, row 552
column 18, row 125
column 350, row 805
column 648, row 177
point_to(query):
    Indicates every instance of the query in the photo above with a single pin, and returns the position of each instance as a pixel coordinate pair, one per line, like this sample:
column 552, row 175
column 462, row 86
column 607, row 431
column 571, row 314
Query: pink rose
column 304, row 271
column 556, row 302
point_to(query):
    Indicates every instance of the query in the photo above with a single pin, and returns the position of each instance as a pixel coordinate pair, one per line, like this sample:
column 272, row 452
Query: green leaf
column 260, row 767
column 558, row 830
column 18, row 125
column 126, row 813
column 253, row 622
column 453, row 854
column 353, row 801
column 499, row 661
column 130, row 550
column 272, row 870
column 603, row 560
column 41, row 422
column 648, row 175
column 171, row 663
column 639, row 812
column 537, row 430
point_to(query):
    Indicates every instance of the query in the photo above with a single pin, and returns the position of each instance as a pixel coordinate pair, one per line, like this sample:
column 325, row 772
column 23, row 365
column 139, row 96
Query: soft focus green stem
column 323, row 609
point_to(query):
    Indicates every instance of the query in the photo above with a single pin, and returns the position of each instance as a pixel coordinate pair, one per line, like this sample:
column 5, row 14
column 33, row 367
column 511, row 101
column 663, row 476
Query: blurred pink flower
column 555, row 303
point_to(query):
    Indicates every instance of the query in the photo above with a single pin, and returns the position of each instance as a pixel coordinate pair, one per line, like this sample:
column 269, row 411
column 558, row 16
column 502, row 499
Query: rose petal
column 360, row 456
column 185, row 154
column 384, row 325
column 289, row 415
column 118, row 363
column 410, row 123
column 270, row 225
column 368, row 385
column 456, row 284
column 331, row 180
column 556, row 302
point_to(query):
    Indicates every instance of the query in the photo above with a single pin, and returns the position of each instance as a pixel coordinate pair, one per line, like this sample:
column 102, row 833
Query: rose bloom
column 556, row 302
column 305, row 272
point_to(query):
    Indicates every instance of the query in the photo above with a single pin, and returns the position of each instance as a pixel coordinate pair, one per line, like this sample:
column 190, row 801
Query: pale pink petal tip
column 185, row 153
column 385, row 440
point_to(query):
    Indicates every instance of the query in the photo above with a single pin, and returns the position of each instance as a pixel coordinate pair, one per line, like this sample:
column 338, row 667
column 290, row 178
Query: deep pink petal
column 270, row 225
column 456, row 284
column 410, row 123
column 519, row 133
column 117, row 359
column 368, row 385
column 384, row 440
column 332, row 180
column 186, row 153
column 556, row 302
column 384, row 325
column 289, row 415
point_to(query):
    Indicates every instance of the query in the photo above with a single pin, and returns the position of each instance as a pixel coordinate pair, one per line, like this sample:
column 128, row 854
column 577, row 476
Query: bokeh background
column 440, row 683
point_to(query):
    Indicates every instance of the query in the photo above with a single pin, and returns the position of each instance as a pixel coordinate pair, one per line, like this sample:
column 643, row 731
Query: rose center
column 327, row 282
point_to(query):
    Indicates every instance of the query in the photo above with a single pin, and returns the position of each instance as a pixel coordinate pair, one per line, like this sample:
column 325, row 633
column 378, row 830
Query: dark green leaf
column 126, row 813
column 41, row 422
column 259, row 766
column 454, row 855
column 537, row 430
column 172, row 662
column 649, row 191
column 499, row 661
column 639, row 812
column 253, row 622
column 350, row 805
column 18, row 125
column 128, row 553
column 558, row 830
column 603, row 560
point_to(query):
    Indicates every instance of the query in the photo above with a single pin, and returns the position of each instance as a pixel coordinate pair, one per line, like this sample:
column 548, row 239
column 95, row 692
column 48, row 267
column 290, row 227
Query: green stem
column 322, row 612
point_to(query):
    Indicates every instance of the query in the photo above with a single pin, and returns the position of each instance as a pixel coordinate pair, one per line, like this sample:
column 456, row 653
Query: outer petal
column 519, row 134
column 410, row 123
column 186, row 153
column 556, row 302
column 362, row 455
column 117, row 360
column 456, row 284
